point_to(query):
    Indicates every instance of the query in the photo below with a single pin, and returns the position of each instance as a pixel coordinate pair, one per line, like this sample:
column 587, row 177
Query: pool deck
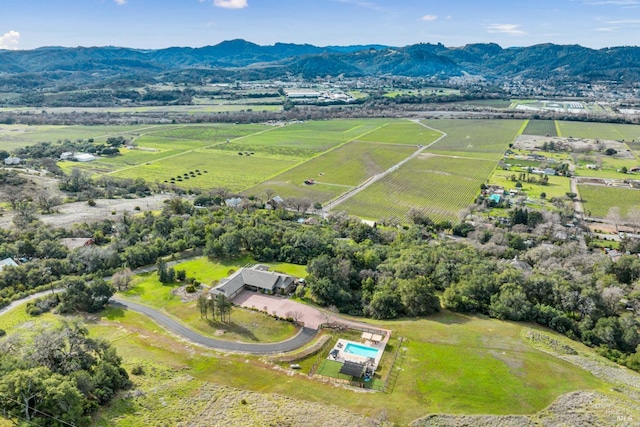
column 343, row 356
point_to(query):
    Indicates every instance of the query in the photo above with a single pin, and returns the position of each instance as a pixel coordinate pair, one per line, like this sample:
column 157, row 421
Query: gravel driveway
column 311, row 317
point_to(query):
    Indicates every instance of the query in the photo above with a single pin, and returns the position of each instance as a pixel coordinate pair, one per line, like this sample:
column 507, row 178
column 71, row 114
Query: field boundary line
column 523, row 127
column 191, row 151
column 346, row 196
column 557, row 128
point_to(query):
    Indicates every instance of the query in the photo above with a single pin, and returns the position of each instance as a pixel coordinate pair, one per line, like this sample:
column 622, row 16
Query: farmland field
column 541, row 127
column 223, row 169
column 408, row 133
column 304, row 140
column 336, row 171
column 599, row 199
column 486, row 139
column 600, row 131
column 440, row 186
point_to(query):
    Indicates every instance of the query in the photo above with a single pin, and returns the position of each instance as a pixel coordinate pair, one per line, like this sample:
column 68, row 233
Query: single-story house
column 66, row 155
column 7, row 262
column 258, row 279
column 550, row 171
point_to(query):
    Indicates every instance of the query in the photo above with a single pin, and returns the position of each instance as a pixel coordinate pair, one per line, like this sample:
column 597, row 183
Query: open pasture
column 453, row 364
column 406, row 133
column 597, row 199
column 541, row 127
column 486, row 139
column 440, row 186
column 17, row 136
column 610, row 167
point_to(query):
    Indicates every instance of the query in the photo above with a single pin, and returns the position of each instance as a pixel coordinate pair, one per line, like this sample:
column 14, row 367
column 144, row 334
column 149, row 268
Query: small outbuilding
column 353, row 369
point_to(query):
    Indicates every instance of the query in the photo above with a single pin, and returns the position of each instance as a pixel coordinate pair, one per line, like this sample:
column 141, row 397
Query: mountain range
column 242, row 60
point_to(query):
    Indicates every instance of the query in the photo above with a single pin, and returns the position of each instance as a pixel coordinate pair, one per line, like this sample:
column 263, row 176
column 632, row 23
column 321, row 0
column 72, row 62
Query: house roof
column 7, row 262
column 352, row 369
column 256, row 276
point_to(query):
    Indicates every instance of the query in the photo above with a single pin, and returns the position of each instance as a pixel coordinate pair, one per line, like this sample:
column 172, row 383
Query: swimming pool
column 361, row 350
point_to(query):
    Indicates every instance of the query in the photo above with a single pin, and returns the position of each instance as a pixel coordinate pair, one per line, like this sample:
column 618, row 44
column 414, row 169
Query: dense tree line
column 58, row 377
column 522, row 273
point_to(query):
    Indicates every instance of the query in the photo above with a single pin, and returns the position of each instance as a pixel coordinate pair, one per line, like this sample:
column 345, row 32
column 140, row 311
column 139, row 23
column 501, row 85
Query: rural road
column 345, row 196
column 304, row 336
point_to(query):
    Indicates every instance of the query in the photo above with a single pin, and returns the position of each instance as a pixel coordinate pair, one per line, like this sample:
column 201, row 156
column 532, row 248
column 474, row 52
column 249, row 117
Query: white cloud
column 120, row 2
column 606, row 29
column 429, row 18
column 625, row 22
column 10, row 40
column 510, row 29
column 231, row 4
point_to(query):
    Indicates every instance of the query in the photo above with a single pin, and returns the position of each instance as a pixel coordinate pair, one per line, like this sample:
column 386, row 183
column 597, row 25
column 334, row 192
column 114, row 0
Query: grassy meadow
column 451, row 364
column 599, row 199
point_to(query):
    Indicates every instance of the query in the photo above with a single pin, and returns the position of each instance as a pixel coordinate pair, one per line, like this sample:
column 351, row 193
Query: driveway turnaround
column 304, row 336
column 311, row 317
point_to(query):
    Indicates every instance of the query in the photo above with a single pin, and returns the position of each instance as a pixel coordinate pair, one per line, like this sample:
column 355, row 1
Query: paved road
column 304, row 336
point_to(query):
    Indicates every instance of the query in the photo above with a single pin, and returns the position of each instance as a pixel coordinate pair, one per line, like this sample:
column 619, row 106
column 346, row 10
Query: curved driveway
column 304, row 336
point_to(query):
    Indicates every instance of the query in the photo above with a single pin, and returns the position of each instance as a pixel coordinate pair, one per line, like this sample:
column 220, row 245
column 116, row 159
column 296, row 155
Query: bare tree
column 296, row 315
column 46, row 201
column 13, row 198
column 633, row 216
column 122, row 279
column 614, row 216
column 269, row 193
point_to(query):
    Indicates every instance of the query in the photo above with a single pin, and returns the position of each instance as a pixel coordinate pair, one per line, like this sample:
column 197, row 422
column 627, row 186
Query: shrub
column 91, row 203
column 190, row 289
column 3, row 332
column 137, row 370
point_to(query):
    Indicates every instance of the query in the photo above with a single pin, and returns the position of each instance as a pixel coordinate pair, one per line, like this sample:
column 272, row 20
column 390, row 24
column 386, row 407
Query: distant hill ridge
column 248, row 60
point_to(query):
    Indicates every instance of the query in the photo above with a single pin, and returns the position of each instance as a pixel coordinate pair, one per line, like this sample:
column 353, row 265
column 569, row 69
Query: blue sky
column 27, row 24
